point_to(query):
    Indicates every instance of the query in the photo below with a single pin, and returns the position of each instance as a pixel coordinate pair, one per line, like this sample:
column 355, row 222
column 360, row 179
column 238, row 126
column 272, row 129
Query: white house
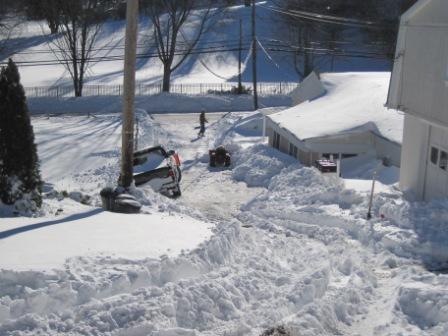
column 348, row 120
column 419, row 87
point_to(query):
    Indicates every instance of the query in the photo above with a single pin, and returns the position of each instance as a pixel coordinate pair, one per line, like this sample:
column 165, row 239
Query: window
column 276, row 143
column 331, row 156
column 434, row 155
column 292, row 150
column 443, row 163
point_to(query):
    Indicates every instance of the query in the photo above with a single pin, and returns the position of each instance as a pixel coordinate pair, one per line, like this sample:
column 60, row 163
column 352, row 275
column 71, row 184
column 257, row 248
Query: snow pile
column 363, row 167
column 295, row 193
column 426, row 304
column 257, row 165
column 418, row 230
column 146, row 294
column 283, row 176
column 250, row 126
column 300, row 200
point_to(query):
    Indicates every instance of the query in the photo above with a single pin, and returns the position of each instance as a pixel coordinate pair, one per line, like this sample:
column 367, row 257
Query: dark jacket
column 203, row 119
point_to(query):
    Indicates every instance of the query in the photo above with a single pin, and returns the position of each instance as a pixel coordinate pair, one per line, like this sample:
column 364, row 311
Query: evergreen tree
column 19, row 164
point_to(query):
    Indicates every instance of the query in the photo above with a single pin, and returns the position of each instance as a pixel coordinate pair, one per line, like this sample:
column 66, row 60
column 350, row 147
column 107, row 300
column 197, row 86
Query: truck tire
column 177, row 193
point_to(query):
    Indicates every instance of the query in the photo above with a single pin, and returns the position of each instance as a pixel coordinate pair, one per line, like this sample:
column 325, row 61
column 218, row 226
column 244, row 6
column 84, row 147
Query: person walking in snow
column 202, row 121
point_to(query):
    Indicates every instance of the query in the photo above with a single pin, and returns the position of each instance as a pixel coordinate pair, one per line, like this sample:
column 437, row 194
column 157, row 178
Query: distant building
column 419, row 87
column 348, row 120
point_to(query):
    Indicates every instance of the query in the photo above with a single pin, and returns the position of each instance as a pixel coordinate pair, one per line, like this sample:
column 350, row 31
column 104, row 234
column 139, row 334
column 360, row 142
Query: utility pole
column 254, row 55
column 240, row 56
column 127, row 151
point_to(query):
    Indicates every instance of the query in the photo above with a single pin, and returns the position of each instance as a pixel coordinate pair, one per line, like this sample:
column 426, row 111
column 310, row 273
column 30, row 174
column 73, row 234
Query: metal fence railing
column 62, row 91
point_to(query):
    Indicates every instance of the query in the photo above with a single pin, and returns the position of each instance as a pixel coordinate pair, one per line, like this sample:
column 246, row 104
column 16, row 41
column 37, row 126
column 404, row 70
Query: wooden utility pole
column 254, row 55
column 127, row 150
column 240, row 56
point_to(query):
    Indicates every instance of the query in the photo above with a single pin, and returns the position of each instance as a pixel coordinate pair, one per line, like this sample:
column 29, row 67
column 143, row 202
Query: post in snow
column 127, row 154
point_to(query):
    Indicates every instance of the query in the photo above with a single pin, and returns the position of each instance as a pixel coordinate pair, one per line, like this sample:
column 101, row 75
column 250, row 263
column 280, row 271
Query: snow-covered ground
column 32, row 42
column 265, row 244
column 94, row 232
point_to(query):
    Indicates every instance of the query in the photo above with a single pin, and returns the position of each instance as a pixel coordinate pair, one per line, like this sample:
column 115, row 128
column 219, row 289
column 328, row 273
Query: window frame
column 276, row 140
column 436, row 165
column 293, row 150
column 445, row 169
column 432, row 147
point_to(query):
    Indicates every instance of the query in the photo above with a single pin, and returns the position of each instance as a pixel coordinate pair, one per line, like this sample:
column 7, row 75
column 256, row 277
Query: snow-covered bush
column 19, row 164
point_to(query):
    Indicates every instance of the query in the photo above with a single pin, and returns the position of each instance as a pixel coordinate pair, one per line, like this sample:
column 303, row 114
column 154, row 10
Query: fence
column 264, row 89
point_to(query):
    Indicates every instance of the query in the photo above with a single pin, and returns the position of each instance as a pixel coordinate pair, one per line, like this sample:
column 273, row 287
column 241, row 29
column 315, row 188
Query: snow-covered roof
column 354, row 102
column 310, row 88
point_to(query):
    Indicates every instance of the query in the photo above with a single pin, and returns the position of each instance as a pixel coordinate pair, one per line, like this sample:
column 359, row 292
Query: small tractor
column 219, row 157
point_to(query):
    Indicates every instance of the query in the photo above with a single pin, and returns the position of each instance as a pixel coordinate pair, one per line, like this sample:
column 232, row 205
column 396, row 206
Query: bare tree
column 311, row 40
column 321, row 30
column 51, row 14
column 81, row 22
column 5, row 34
column 169, row 17
column 43, row 10
column 8, row 23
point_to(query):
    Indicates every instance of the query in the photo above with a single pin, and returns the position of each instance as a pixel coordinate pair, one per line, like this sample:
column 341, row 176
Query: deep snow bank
column 69, row 302
column 425, row 303
column 300, row 200
column 409, row 229
column 414, row 229
column 259, row 164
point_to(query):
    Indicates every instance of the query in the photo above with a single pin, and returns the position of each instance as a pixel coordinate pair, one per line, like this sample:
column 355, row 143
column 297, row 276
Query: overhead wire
column 329, row 19
column 220, row 46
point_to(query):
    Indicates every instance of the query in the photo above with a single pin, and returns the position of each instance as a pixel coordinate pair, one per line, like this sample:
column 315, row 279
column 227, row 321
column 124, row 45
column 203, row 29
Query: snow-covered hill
column 31, row 44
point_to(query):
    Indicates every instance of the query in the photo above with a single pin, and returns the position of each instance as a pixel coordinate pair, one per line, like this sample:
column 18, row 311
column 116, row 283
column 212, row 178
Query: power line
column 111, row 48
column 274, row 47
column 329, row 19
column 330, row 52
column 203, row 44
column 115, row 58
column 342, row 19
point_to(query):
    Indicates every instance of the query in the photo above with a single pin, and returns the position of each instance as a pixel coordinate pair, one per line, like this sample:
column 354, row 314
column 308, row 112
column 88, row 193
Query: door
column 436, row 173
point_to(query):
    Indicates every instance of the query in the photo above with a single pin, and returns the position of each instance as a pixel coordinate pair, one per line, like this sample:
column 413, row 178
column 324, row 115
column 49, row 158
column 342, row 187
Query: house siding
column 419, row 87
column 414, row 154
column 351, row 143
column 420, row 80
